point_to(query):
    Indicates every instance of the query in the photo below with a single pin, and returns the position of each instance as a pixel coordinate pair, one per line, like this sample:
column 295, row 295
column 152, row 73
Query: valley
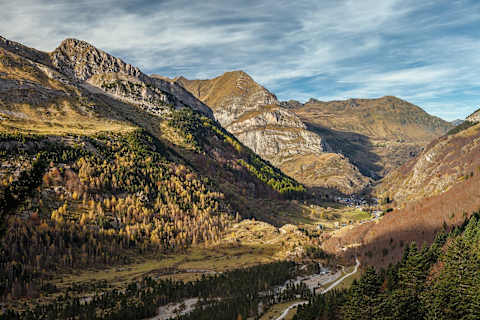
column 129, row 196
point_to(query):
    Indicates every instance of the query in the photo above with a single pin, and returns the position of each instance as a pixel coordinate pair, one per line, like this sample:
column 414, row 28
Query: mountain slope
column 444, row 162
column 377, row 135
column 102, row 166
column 437, row 189
column 260, row 121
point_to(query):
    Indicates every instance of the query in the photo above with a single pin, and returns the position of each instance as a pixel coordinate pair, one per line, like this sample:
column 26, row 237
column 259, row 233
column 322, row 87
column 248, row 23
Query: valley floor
column 317, row 283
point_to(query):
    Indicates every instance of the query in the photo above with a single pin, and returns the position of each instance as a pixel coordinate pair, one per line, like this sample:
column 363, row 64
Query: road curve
column 336, row 283
column 333, row 285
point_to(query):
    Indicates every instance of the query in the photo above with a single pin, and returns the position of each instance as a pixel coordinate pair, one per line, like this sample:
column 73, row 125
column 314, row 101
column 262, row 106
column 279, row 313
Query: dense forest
column 230, row 295
column 87, row 201
column 436, row 282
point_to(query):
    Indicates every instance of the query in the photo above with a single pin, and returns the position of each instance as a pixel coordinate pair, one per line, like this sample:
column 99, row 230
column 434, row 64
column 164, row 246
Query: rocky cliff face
column 271, row 129
column 93, row 67
column 444, row 162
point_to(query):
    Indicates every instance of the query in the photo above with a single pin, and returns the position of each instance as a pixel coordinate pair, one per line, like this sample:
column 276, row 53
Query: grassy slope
column 377, row 135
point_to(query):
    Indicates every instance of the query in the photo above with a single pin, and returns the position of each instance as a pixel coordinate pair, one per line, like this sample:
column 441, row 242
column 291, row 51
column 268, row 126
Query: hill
column 439, row 281
column 103, row 166
column 436, row 190
column 260, row 121
column 377, row 135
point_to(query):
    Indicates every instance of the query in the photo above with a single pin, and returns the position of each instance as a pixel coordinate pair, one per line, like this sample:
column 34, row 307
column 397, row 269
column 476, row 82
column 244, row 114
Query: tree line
column 229, row 295
column 440, row 281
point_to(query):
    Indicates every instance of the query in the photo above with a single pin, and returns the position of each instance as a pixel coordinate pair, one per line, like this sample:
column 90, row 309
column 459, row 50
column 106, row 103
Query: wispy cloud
column 425, row 52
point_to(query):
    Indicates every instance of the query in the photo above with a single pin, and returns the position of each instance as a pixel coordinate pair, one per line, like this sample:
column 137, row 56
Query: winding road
column 333, row 285
column 336, row 283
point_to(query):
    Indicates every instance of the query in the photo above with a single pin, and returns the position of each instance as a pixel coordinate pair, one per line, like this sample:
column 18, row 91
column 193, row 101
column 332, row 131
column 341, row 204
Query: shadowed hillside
column 437, row 189
column 393, row 129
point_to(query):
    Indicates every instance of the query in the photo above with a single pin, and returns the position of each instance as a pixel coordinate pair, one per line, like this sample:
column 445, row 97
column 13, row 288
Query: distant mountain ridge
column 377, row 135
column 336, row 144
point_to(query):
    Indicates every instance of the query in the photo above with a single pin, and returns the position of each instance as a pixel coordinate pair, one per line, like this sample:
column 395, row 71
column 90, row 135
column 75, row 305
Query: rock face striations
column 93, row 67
column 274, row 131
column 445, row 162
column 337, row 144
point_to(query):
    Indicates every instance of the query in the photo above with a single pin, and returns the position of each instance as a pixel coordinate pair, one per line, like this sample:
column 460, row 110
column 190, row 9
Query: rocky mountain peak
column 82, row 60
column 244, row 84
column 234, row 90
column 86, row 64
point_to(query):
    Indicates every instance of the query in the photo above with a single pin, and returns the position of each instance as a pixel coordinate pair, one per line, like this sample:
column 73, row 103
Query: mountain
column 377, row 135
column 437, row 189
column 443, row 163
column 338, row 145
column 274, row 131
column 102, row 165
column 457, row 122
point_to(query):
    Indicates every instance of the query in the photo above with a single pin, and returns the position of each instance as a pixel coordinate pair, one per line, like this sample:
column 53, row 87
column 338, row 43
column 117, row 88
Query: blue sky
column 426, row 52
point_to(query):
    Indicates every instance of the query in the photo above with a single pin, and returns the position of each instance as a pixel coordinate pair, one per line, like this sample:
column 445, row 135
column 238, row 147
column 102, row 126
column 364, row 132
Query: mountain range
column 338, row 145
column 109, row 175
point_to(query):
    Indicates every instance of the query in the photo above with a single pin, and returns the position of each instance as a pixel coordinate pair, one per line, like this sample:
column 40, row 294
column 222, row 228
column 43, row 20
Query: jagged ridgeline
column 101, row 165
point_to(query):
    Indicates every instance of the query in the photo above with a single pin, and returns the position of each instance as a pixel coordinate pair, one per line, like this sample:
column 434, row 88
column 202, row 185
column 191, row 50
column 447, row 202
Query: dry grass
column 327, row 169
column 246, row 244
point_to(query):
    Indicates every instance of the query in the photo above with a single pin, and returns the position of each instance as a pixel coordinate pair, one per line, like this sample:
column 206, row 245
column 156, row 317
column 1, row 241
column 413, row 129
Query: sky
column 426, row 52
